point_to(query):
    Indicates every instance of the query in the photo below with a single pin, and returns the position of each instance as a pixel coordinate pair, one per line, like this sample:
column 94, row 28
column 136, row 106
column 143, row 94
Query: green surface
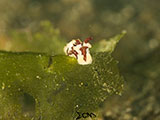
column 55, row 85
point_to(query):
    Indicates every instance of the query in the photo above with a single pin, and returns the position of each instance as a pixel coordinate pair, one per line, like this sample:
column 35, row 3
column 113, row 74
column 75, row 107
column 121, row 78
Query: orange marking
column 83, row 50
column 73, row 52
column 88, row 39
column 78, row 42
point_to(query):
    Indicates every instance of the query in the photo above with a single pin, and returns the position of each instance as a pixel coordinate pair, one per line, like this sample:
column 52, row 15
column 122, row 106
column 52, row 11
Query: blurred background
column 46, row 26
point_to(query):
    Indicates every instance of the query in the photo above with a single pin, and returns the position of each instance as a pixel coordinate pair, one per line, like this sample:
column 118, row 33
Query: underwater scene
column 79, row 60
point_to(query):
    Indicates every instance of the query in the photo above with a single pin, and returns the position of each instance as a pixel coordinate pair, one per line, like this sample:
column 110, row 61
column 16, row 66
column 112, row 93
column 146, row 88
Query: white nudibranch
column 79, row 50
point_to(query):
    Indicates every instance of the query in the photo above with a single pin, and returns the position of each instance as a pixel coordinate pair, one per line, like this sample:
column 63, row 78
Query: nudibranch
column 80, row 50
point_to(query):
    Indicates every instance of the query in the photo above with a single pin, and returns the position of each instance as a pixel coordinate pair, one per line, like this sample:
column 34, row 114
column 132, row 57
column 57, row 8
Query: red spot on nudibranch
column 83, row 50
column 88, row 39
column 73, row 52
column 78, row 42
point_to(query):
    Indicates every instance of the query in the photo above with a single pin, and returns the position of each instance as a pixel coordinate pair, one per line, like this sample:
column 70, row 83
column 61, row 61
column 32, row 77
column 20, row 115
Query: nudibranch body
column 79, row 50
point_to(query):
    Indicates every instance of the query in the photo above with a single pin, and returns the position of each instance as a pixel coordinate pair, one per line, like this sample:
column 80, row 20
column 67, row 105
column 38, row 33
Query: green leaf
column 108, row 45
column 57, row 86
